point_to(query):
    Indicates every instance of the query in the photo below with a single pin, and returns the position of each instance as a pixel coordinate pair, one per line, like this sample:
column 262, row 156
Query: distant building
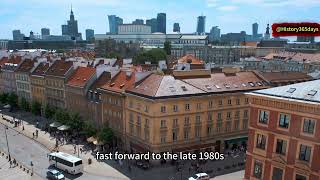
column 201, row 25
column 305, row 39
column 153, row 23
column 134, row 29
column 114, row 22
column 17, row 35
column 3, row 44
column 45, row 32
column 89, row 34
column 255, row 29
column 138, row 22
column 162, row 23
column 176, row 27
column 214, row 34
column 233, row 38
column 267, row 34
column 71, row 28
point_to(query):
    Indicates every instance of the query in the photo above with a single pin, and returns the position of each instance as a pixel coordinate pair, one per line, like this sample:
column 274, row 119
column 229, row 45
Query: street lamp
column 5, row 131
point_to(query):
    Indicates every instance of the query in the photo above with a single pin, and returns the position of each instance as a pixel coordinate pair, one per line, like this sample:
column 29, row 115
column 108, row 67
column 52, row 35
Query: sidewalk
column 232, row 176
column 44, row 138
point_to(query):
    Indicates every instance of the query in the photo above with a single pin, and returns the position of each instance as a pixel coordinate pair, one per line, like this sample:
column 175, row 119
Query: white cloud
column 212, row 3
column 227, row 8
column 278, row 3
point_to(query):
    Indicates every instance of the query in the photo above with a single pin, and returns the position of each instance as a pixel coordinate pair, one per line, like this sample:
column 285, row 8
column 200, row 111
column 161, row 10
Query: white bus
column 66, row 162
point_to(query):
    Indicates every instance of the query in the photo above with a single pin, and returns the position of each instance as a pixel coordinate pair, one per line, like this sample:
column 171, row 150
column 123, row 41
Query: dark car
column 55, row 174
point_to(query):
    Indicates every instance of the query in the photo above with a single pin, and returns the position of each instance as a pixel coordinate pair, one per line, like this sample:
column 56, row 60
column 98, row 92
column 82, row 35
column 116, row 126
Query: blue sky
column 229, row 15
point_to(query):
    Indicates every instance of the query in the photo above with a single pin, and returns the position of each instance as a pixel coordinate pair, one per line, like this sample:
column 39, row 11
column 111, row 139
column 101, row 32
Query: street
column 26, row 150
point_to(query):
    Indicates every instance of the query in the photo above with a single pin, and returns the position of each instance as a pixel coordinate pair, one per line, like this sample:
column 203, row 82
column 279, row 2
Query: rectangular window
column 263, row 117
column 210, row 116
column 198, row 119
column 245, row 114
column 187, row 107
column 237, row 115
column 210, row 105
column 228, row 126
column 308, row 126
column 238, row 101
column 138, row 120
column 246, row 101
column 186, row 134
column 277, row 174
column 228, row 115
column 198, row 106
column 236, row 125
column 146, row 108
column 219, row 116
column 197, row 132
column 175, row 108
column 209, row 130
column 261, row 141
column 284, row 121
column 163, row 124
column 147, row 123
column 281, row 147
column 305, row 153
column 220, row 102
column 174, row 136
column 257, row 170
column 186, row 121
column 163, row 109
column 175, row 122
column 300, row 177
column 163, row 139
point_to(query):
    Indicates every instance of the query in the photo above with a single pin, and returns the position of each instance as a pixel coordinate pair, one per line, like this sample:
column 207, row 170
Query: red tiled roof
column 59, row 68
column 41, row 69
column 120, row 82
column 81, row 76
column 189, row 58
column 3, row 61
column 285, row 76
column 102, row 80
column 26, row 66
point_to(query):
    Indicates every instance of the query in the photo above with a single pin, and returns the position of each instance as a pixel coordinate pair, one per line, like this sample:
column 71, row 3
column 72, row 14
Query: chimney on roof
column 128, row 74
column 230, row 70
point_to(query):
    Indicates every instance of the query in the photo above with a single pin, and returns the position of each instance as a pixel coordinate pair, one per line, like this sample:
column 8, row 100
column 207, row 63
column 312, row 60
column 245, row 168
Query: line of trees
column 63, row 116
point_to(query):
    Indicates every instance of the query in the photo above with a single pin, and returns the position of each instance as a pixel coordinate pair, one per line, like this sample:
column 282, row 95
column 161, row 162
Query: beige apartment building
column 38, row 83
column 191, row 113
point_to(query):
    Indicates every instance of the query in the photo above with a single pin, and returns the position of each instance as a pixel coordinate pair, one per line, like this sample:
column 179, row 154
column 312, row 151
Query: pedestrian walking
column 75, row 149
column 37, row 133
column 22, row 128
column 32, row 135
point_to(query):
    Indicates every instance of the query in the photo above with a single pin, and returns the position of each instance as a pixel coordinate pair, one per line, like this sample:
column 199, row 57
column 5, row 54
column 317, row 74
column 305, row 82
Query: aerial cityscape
column 194, row 90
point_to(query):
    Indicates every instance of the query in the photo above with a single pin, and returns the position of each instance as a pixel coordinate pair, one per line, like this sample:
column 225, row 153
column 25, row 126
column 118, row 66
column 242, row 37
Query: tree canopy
column 153, row 56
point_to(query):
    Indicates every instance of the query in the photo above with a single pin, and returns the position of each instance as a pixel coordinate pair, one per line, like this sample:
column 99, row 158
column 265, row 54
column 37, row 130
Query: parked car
column 55, row 174
column 200, row 176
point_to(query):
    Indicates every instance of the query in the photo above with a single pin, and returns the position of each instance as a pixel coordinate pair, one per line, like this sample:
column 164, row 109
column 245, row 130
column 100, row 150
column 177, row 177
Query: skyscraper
column 89, row 34
column 45, row 32
column 255, row 30
column 71, row 28
column 176, row 27
column 201, row 26
column 17, row 35
column 214, row 34
column 267, row 34
column 138, row 22
column 114, row 22
column 153, row 23
column 162, row 23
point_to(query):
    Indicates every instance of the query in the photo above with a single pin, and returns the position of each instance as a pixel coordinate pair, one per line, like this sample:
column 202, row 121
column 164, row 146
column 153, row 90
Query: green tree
column 62, row 116
column 36, row 108
column 89, row 129
column 49, row 111
column 153, row 56
column 12, row 99
column 24, row 104
column 167, row 47
column 76, row 122
column 105, row 135
column 4, row 98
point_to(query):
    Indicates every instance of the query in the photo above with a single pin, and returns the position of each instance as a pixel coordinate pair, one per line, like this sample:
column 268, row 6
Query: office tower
column 255, row 29
column 214, row 34
column 45, row 32
column 161, row 23
column 201, row 25
column 138, row 22
column 17, row 35
column 114, row 22
column 176, row 27
column 267, row 34
column 89, row 34
column 71, row 28
column 153, row 23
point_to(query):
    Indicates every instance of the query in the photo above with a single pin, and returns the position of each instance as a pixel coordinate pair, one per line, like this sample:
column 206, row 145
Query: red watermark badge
column 295, row 29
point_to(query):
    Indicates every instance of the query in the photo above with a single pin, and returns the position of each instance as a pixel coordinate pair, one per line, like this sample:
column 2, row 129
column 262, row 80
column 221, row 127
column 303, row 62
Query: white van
column 200, row 176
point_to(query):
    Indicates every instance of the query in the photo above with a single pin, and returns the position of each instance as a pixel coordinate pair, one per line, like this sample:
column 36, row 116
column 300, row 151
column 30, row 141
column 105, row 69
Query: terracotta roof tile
column 41, row 69
column 26, row 66
column 59, row 68
column 81, row 76
column 189, row 58
column 285, row 76
column 122, row 81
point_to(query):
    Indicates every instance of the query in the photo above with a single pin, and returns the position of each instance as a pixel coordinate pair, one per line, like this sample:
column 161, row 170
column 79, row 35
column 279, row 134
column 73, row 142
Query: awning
column 63, row 128
column 7, row 106
column 91, row 139
column 96, row 142
column 55, row 124
column 236, row 140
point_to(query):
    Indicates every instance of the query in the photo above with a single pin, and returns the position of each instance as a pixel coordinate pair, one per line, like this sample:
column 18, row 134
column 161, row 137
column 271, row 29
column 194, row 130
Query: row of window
column 284, row 121
column 23, row 86
column 175, row 108
column 277, row 173
column 281, row 147
column 55, row 83
column 22, row 77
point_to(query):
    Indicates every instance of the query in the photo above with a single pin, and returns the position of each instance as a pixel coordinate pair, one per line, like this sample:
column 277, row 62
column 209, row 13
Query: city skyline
column 34, row 15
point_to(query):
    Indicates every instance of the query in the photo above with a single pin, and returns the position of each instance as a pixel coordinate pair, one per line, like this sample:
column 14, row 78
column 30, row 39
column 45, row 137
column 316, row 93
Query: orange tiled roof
column 59, row 68
column 41, row 69
column 3, row 61
column 285, row 76
column 120, row 82
column 189, row 58
column 26, row 66
column 81, row 76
